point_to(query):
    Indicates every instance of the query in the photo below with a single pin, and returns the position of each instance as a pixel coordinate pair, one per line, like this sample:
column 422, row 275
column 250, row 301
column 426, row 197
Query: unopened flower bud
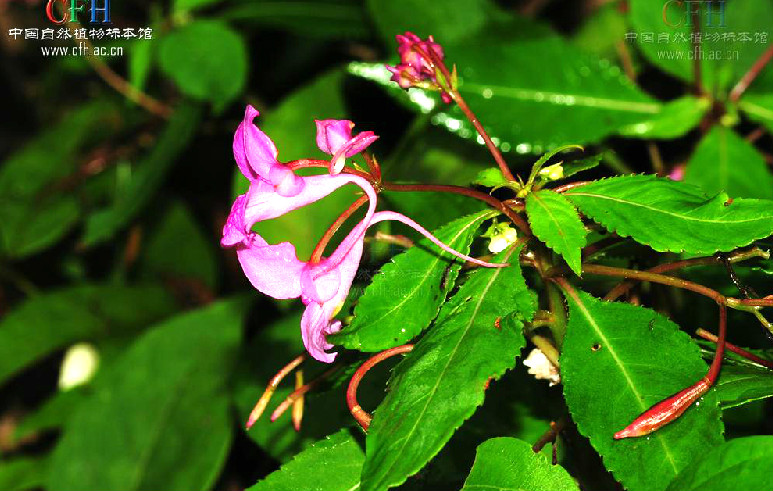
column 541, row 368
column 552, row 172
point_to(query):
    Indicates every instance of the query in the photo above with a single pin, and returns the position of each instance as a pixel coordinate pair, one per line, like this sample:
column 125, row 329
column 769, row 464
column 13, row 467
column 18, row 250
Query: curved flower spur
column 274, row 269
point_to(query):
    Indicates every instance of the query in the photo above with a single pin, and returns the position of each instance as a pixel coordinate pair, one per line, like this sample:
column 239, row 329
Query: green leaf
column 442, row 381
column 675, row 119
column 179, row 249
column 741, row 384
column 408, row 291
column 326, row 19
column 673, row 216
column 555, row 222
column 576, row 166
column 332, row 464
column 291, row 126
column 22, row 474
column 448, row 21
column 617, row 361
column 491, row 178
column 580, row 100
column 726, row 162
column 743, row 463
column 432, row 210
column 758, row 107
column 723, row 61
column 602, row 31
column 507, row 464
column 207, row 60
column 182, row 6
column 54, row 320
column 52, row 414
column 146, row 179
column 140, row 62
column 38, row 208
column 165, row 401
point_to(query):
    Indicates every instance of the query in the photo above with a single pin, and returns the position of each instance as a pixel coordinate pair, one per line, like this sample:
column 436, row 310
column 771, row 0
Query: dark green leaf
column 332, row 464
column 178, row 249
column 148, row 176
column 431, row 210
column 603, row 31
column 743, row 463
column 326, row 19
column 291, row 126
column 442, row 381
column 22, row 474
column 528, row 105
column 140, row 62
column 183, row 6
column 576, row 166
column 49, row 322
column 740, row 384
column 447, row 21
column 408, row 291
column 555, row 222
column 673, row 216
column 759, row 107
column 207, row 60
column 726, row 162
column 165, row 401
column 617, row 361
column 38, row 209
column 507, row 464
column 53, row 414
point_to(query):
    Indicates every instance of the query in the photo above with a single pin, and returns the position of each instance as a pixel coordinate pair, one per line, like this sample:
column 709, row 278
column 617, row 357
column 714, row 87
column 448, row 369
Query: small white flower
column 79, row 365
column 502, row 237
column 552, row 172
column 541, row 368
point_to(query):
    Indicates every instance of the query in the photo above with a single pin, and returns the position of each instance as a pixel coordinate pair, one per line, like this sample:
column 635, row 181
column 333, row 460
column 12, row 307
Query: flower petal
column 272, row 269
column 235, row 230
column 315, row 325
column 254, row 151
column 332, row 134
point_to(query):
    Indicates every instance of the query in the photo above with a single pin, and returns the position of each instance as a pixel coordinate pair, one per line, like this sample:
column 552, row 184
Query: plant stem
column 297, row 412
column 260, row 406
column 459, row 100
column 750, row 75
column 566, row 187
column 556, row 302
column 551, row 435
column 735, row 349
column 444, row 188
column 623, row 287
column 306, row 163
column 360, row 415
column 696, row 46
column 319, row 249
column 300, row 392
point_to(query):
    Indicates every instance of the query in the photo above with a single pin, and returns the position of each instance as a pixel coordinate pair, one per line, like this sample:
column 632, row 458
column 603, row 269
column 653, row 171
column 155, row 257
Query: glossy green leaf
column 22, row 474
column 448, row 21
column 577, row 166
column 741, row 384
column 38, row 206
column 332, row 464
column 743, row 463
column 441, row 382
column 56, row 319
column 758, row 107
column 673, row 216
column 146, row 179
column 163, row 258
column 165, row 400
column 725, row 55
column 326, row 19
column 207, row 60
column 555, row 222
column 528, row 105
column 291, row 126
column 675, row 119
column 726, row 162
column 408, row 291
column 506, row 464
column 617, row 361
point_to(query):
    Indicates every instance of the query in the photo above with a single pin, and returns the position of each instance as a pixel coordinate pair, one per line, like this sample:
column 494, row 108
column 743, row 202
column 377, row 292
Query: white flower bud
column 79, row 365
column 502, row 238
column 541, row 368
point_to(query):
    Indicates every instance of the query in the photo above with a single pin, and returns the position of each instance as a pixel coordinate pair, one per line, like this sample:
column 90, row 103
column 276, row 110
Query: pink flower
column 416, row 65
column 256, row 156
column 334, row 136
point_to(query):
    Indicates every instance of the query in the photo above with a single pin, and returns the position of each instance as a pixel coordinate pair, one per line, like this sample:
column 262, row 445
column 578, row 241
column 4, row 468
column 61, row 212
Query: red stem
column 316, row 255
column 750, row 75
column 306, row 163
column 360, row 415
column 623, row 287
column 443, row 188
column 735, row 349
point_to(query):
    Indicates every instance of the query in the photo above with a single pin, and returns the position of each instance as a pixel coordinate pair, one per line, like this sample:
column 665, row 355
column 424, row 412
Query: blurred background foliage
column 112, row 203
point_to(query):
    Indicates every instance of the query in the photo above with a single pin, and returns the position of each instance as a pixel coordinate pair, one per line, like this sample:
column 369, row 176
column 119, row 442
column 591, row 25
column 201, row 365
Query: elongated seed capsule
column 665, row 411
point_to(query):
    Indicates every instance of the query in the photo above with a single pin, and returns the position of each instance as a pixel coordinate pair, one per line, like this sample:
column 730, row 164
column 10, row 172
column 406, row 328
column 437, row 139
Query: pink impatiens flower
column 334, row 136
column 274, row 269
